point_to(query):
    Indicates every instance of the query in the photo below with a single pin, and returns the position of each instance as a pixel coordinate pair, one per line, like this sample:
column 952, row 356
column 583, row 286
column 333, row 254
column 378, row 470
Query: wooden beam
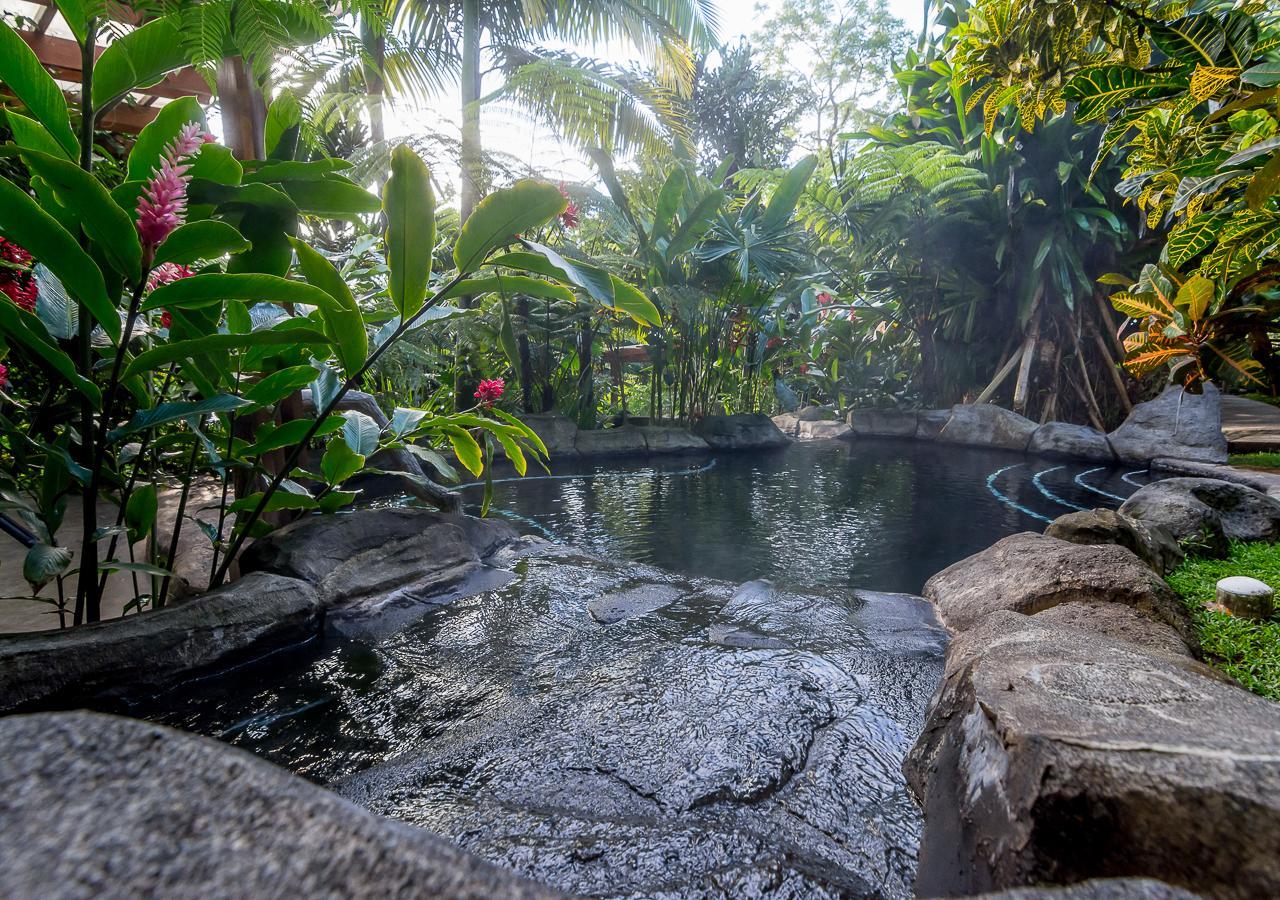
column 128, row 119
column 62, row 57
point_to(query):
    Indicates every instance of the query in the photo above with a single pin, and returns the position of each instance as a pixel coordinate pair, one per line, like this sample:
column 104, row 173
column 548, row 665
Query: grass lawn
column 1247, row 651
column 1257, row 460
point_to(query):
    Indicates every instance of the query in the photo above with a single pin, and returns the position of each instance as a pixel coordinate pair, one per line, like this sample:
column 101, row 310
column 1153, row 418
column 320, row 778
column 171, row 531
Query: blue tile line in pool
column 1037, row 480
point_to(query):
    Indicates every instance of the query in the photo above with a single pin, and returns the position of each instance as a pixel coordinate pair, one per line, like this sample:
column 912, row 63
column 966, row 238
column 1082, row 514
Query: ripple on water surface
column 682, row 737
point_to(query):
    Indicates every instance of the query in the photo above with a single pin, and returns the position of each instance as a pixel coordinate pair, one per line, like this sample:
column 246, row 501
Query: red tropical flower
column 166, row 318
column 166, row 273
column 568, row 218
column 16, row 280
column 4, row 376
column 490, row 391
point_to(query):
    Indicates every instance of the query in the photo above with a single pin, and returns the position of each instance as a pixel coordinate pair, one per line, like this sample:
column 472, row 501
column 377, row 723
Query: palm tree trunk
column 375, row 45
column 470, row 77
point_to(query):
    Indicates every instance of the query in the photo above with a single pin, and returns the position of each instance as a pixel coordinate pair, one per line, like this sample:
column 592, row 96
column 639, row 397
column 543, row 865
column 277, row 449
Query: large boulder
column 1203, row 514
column 899, row 423
column 558, row 433
column 1099, row 889
column 745, row 431
column 1154, row 544
column 986, row 425
column 667, row 439
column 1071, row 442
column 625, row 440
column 1175, row 424
column 98, row 806
column 812, row 427
column 405, row 474
column 1053, row 755
column 1028, row 573
column 373, row 552
column 45, row 668
column 930, row 423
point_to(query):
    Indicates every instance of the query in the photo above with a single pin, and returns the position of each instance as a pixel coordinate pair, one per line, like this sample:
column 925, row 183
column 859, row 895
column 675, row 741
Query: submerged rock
column 1175, row 424
column 1053, row 755
column 715, row 745
column 617, row 606
column 98, row 806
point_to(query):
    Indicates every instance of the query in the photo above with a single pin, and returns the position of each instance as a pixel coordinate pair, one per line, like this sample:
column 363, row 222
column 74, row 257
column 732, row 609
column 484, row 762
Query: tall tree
column 845, row 51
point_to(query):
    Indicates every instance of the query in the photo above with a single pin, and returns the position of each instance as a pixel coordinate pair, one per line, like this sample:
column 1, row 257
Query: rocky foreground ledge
column 1075, row 736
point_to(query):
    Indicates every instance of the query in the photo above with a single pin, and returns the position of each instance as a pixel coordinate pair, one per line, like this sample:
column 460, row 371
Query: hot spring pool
column 729, row 741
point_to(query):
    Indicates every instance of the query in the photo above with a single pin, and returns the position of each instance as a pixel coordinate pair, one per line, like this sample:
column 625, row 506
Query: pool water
column 876, row 514
column 738, row 738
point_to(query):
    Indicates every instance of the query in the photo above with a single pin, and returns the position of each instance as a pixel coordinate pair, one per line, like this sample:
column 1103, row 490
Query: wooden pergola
column 241, row 102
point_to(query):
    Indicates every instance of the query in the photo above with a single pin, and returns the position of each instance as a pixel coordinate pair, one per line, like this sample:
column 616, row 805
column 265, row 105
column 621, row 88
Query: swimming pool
column 727, row 736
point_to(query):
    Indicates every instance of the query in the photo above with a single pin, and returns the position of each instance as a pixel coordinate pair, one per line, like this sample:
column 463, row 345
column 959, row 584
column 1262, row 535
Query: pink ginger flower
column 166, row 273
column 4, row 376
column 16, row 280
column 163, row 204
column 490, row 391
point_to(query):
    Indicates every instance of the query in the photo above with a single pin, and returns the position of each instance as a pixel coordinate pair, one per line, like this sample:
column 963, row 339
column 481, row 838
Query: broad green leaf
column 593, row 280
column 25, row 223
column 509, row 286
column 119, row 565
column 409, row 204
column 23, row 75
column 507, row 339
column 465, row 448
column 1099, row 90
column 207, row 239
column 149, row 148
column 783, row 202
column 215, row 164
column 31, row 135
column 278, row 501
column 165, row 413
column 295, row 170
column 274, row 437
column 55, row 310
column 1192, row 238
column 1265, row 184
column 502, row 217
column 140, row 512
column 695, row 225
column 44, row 563
column 343, row 321
column 76, row 14
column 630, row 300
column 1195, row 38
column 361, row 432
column 107, row 225
column 138, row 58
column 664, row 213
column 336, row 500
column 220, row 343
column 529, row 433
column 285, row 113
column 1195, row 296
column 340, row 462
column 511, row 447
column 278, row 385
column 1263, row 75
column 446, row 471
column 332, row 198
column 404, row 420
column 24, row 328
column 213, row 288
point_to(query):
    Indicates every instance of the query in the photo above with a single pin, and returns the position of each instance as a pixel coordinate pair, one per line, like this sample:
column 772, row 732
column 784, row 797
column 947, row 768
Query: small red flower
column 19, row 287
column 824, row 298
column 4, row 376
column 773, row 343
column 568, row 218
column 166, row 318
column 12, row 253
column 804, row 368
column 490, row 391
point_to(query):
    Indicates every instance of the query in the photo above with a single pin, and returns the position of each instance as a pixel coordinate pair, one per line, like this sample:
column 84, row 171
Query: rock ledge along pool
column 634, row 713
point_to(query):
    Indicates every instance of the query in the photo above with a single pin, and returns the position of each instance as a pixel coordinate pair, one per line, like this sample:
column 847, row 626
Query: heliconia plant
column 180, row 312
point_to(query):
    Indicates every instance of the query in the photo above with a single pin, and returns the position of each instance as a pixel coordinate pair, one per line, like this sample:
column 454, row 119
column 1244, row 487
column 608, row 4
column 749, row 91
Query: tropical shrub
column 179, row 313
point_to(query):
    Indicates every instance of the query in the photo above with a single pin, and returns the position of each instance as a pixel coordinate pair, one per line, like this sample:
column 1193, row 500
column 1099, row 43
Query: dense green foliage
column 1247, row 651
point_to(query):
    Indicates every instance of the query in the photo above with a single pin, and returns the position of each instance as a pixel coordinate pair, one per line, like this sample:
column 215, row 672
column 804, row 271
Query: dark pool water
column 733, row 740
column 876, row 514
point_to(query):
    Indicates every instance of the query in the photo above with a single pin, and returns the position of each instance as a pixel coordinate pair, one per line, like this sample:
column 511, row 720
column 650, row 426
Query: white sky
column 509, row 131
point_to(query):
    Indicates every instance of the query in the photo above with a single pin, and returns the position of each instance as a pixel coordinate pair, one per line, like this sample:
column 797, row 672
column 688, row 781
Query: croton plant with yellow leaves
column 1189, row 93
